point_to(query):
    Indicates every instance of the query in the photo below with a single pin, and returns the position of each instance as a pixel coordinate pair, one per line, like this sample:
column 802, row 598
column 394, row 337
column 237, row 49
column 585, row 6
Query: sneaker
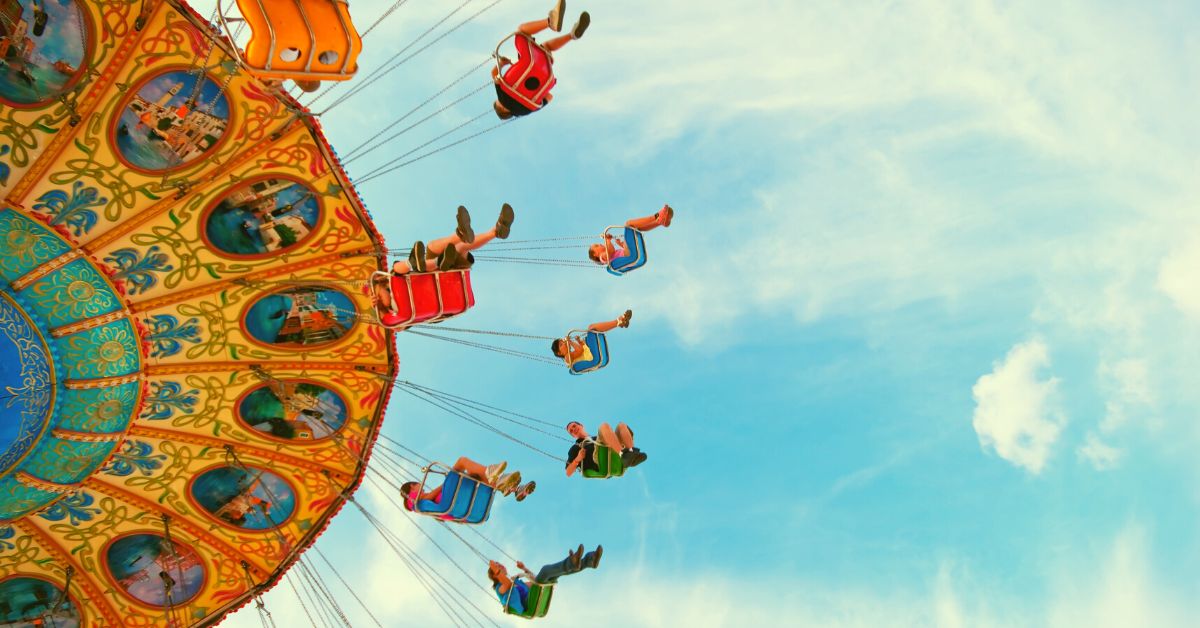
column 416, row 258
column 624, row 320
column 632, row 458
column 665, row 216
column 576, row 558
column 595, row 557
column 525, row 491
column 448, row 259
column 555, row 19
column 504, row 222
column 581, row 26
column 464, row 230
column 493, row 472
column 509, row 483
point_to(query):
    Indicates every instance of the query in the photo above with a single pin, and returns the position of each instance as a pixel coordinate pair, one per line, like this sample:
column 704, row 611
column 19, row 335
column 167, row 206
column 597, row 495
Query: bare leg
column 609, row 438
column 401, row 268
column 471, row 468
column 625, row 435
column 480, row 240
column 534, row 27
column 435, row 247
column 602, row 327
column 557, row 42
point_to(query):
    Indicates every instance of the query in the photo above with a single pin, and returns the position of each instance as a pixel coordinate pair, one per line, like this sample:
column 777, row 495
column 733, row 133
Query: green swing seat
column 537, row 603
column 609, row 463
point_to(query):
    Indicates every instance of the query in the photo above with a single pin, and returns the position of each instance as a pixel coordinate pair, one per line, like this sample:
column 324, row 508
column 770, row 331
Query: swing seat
column 463, row 499
column 531, row 77
column 424, row 297
column 537, row 603
column 609, row 464
column 306, row 40
column 635, row 243
column 597, row 344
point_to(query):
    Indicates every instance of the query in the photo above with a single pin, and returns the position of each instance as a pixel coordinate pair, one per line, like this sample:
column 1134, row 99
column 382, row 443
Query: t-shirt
column 520, row 593
column 512, row 104
column 589, row 458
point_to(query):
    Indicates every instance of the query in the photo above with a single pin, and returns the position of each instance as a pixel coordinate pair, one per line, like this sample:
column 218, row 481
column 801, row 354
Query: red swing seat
column 533, row 61
column 425, row 297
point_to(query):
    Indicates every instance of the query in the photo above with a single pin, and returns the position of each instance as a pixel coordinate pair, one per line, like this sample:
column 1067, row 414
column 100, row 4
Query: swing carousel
column 194, row 358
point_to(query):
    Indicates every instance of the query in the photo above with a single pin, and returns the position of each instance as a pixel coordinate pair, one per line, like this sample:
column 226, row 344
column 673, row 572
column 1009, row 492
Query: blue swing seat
column 597, row 344
column 635, row 258
column 463, row 499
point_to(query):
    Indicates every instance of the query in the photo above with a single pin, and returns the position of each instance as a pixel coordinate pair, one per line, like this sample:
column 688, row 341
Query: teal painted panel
column 97, row 410
column 107, row 351
column 25, row 244
column 64, row 461
column 16, row 499
column 71, row 294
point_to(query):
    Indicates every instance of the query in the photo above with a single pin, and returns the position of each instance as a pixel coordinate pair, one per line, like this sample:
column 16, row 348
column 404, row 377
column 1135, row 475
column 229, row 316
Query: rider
column 614, row 248
column 492, row 475
column 448, row 253
column 573, row 350
column 575, row 562
column 583, row 452
column 534, row 68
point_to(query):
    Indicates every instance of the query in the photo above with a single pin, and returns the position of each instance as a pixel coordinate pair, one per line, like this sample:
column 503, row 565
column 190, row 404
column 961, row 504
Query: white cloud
column 1016, row 413
column 1179, row 277
column 1101, row 455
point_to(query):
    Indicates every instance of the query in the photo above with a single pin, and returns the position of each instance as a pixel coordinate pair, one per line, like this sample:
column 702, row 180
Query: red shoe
column 665, row 215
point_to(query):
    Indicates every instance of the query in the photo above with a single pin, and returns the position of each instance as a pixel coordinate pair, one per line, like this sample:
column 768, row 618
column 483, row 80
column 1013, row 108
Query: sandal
column 416, row 258
column 504, row 222
column 464, row 230
column 624, row 320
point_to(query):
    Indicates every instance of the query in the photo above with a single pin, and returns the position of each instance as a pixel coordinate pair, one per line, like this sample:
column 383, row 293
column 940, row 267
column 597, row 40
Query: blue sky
column 918, row 350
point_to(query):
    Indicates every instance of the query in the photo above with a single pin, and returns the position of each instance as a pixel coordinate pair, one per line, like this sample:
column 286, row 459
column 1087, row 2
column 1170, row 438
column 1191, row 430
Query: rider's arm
column 525, row 572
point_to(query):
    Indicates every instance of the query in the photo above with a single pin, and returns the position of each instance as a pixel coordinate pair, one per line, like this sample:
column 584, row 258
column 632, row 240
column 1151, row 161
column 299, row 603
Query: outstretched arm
column 574, row 464
column 525, row 572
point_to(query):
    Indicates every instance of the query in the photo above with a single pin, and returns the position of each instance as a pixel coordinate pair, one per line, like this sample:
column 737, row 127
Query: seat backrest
column 598, row 345
column 464, row 500
column 450, row 489
column 608, row 463
column 426, row 296
column 456, row 291
column 635, row 258
column 538, row 602
column 532, row 62
column 319, row 33
column 481, row 508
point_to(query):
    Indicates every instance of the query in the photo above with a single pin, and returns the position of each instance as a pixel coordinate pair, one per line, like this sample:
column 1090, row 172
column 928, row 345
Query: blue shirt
column 520, row 593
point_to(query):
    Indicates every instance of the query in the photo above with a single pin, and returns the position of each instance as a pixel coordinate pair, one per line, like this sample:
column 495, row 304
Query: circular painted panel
column 172, row 119
column 43, row 50
column 300, row 317
column 262, row 217
column 293, row 410
column 26, row 378
column 31, row 602
column 247, row 498
column 141, row 564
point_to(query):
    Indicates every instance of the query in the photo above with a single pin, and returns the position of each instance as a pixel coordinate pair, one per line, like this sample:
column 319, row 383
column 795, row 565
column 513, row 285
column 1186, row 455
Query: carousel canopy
column 187, row 386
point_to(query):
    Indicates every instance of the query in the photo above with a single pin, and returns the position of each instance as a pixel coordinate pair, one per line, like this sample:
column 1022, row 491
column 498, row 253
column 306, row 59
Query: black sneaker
column 505, row 221
column 448, row 260
column 464, row 230
column 632, row 458
column 581, row 26
column 416, row 258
